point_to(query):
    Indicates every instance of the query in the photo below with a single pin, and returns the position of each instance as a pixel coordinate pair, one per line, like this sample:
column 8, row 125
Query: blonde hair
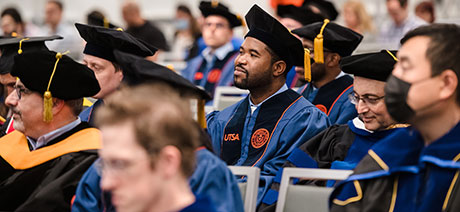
column 364, row 19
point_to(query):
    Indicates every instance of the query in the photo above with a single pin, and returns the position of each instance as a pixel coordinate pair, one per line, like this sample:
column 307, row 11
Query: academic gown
column 400, row 173
column 87, row 115
column 220, row 73
column 332, row 99
column 45, row 179
column 337, row 147
column 211, row 179
column 258, row 147
column 89, row 196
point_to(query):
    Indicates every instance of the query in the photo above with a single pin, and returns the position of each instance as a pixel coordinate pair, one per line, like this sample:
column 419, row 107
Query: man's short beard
column 319, row 73
column 243, row 84
column 246, row 84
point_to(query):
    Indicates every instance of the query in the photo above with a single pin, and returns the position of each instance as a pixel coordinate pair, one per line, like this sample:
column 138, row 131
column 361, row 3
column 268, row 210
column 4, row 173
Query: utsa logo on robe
column 267, row 135
column 269, row 115
column 232, row 137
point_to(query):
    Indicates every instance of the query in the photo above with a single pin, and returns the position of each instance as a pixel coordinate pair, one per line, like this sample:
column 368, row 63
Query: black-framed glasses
column 367, row 99
column 20, row 91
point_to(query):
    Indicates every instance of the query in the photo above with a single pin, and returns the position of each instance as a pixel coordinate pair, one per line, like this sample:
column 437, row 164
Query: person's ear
column 279, row 68
column 332, row 60
column 169, row 161
column 449, row 83
column 58, row 104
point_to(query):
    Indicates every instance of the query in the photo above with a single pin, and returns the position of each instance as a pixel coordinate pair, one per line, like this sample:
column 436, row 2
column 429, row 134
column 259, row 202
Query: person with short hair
column 401, row 22
column 149, row 151
column 214, row 65
column 265, row 127
column 293, row 17
column 98, row 56
column 11, row 47
column 329, row 86
column 13, row 25
column 414, row 169
column 54, row 24
column 143, row 29
column 42, row 161
column 11, row 22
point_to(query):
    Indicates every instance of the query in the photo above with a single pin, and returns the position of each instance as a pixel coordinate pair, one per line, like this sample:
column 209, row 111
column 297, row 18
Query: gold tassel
column 318, row 44
column 47, row 96
column 394, row 57
column 200, row 113
column 120, row 29
column 307, row 65
column 106, row 23
column 47, row 107
column 20, row 45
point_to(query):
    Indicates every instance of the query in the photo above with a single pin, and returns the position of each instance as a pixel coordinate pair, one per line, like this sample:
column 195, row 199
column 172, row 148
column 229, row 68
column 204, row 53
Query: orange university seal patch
column 260, row 138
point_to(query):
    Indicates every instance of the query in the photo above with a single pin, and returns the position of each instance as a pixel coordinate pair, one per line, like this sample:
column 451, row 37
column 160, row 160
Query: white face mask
column 181, row 24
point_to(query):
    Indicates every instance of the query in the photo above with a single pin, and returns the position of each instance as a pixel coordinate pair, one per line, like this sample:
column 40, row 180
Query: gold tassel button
column 20, row 45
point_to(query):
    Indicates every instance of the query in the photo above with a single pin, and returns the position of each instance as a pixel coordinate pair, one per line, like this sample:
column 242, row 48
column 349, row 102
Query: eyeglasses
column 116, row 167
column 218, row 25
column 367, row 99
column 21, row 90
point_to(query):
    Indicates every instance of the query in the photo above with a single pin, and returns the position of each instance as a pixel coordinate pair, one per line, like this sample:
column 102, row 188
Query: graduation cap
column 326, row 8
column 137, row 70
column 54, row 75
column 332, row 36
column 97, row 19
column 11, row 46
column 376, row 66
column 102, row 41
column 214, row 7
column 303, row 15
column 272, row 33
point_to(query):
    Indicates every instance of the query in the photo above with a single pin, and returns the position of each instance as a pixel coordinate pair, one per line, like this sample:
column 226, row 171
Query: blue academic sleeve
column 213, row 179
column 88, row 193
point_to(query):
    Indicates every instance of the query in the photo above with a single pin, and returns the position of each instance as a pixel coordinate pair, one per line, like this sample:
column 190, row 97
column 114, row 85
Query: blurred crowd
column 187, row 42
